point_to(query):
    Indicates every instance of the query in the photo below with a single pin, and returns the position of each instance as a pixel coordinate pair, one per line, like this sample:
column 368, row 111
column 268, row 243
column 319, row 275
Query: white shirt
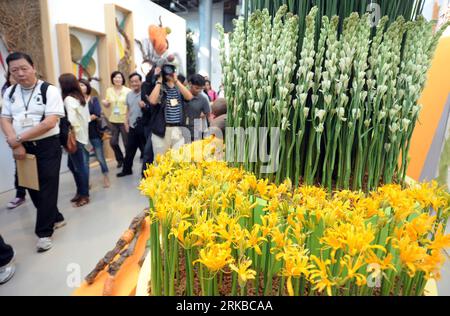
column 79, row 118
column 15, row 108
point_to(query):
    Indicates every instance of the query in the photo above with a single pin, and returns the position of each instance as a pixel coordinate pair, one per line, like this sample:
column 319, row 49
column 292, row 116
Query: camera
column 168, row 70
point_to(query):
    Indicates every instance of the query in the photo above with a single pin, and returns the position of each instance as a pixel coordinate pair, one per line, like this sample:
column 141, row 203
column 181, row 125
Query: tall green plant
column 346, row 108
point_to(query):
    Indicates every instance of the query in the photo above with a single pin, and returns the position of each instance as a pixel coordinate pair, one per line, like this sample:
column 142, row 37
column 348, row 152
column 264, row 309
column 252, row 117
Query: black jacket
column 153, row 116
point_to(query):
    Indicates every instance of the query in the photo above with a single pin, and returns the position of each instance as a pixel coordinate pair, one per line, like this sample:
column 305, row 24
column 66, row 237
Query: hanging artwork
column 84, row 65
column 155, row 48
column 124, row 48
column 20, row 27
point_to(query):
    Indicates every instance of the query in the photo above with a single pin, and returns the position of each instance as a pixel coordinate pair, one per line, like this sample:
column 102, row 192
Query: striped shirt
column 173, row 113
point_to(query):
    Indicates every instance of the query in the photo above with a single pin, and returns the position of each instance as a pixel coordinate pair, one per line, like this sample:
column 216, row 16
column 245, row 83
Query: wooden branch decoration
column 114, row 267
column 124, row 240
column 141, row 48
column 125, row 62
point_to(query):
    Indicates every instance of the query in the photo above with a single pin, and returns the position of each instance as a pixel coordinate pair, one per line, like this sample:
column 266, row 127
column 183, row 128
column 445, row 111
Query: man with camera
column 133, row 124
column 169, row 97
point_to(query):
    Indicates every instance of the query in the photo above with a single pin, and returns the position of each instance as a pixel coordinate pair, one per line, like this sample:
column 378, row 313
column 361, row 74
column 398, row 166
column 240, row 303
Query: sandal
column 82, row 202
column 106, row 183
column 75, row 198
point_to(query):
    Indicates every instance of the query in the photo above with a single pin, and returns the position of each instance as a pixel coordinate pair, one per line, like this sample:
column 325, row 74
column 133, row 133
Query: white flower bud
column 319, row 128
column 387, row 147
column 315, row 98
column 394, row 128
column 405, row 124
column 306, row 112
column 320, row 114
column 340, row 112
column 356, row 114
column 284, row 124
column 303, row 97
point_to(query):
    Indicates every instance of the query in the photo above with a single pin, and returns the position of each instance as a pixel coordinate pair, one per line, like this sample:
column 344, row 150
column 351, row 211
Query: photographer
column 133, row 124
column 169, row 97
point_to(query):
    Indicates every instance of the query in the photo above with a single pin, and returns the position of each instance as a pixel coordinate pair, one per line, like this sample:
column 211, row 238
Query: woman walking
column 78, row 116
column 116, row 97
column 95, row 135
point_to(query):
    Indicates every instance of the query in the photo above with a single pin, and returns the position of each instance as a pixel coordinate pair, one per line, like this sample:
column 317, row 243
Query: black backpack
column 64, row 124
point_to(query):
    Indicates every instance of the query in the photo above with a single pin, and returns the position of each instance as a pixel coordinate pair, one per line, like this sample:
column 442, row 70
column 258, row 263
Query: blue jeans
column 78, row 163
column 97, row 143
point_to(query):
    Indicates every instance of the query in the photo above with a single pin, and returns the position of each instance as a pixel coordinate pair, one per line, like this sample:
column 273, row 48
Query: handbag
column 71, row 144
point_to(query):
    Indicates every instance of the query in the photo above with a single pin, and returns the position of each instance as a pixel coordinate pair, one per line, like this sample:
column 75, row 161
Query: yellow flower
column 419, row 226
column 274, row 205
column 383, row 264
column 402, row 204
column 262, row 188
column 269, row 221
column 248, row 184
column 352, row 269
column 296, row 264
column 243, row 271
column 179, row 231
column 278, row 237
column 320, row 276
column 354, row 239
column 440, row 241
column 369, row 207
column 411, row 254
column 432, row 264
column 254, row 240
column 204, row 232
column 243, row 205
column 215, row 257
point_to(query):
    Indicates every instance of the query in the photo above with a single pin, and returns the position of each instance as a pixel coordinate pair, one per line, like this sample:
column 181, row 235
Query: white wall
column 192, row 20
column 89, row 14
column 6, row 160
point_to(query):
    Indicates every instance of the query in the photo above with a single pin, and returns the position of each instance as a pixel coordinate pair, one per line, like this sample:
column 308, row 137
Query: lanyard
column 27, row 104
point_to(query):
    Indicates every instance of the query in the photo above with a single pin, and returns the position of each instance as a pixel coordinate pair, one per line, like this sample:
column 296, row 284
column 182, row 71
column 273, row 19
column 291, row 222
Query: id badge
column 27, row 122
column 116, row 110
column 173, row 102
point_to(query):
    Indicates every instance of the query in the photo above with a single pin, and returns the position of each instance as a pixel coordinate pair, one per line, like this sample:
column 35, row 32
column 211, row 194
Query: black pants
column 118, row 129
column 136, row 140
column 149, row 156
column 6, row 253
column 20, row 192
column 48, row 154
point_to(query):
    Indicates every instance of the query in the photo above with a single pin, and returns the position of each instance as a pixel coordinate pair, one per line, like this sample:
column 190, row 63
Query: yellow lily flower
column 243, row 271
column 215, row 257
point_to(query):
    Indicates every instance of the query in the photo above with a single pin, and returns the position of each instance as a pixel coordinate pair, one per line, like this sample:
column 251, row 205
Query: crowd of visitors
column 154, row 114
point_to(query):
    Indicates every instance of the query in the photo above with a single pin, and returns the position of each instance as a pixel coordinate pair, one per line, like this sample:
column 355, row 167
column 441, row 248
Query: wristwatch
column 18, row 139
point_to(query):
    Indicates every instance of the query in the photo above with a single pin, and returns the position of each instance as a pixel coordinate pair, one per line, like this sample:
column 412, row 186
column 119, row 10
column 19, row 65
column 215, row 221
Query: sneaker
column 15, row 203
column 59, row 224
column 7, row 272
column 44, row 244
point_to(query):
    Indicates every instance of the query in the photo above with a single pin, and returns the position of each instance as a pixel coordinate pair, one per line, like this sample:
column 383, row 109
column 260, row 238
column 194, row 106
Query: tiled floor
column 91, row 232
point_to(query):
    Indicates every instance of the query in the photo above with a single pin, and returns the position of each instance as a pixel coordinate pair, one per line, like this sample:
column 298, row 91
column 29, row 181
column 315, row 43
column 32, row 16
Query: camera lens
column 168, row 70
